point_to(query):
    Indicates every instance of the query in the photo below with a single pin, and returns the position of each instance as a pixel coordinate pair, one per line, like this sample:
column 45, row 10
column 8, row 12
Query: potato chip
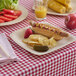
column 36, row 39
column 52, row 42
column 30, row 42
column 26, row 40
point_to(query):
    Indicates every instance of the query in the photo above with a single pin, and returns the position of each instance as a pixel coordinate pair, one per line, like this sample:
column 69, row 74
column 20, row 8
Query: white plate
column 22, row 17
column 73, row 4
column 18, row 36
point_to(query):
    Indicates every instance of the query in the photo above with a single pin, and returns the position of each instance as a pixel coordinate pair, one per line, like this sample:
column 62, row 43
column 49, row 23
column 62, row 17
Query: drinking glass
column 40, row 9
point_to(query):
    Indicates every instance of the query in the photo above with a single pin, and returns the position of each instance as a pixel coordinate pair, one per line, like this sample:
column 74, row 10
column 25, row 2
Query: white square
column 18, row 36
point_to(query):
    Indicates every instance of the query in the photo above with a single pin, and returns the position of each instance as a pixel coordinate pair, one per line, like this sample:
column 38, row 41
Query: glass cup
column 40, row 9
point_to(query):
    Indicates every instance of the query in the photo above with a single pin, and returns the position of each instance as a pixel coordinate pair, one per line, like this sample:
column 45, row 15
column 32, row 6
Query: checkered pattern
column 58, row 63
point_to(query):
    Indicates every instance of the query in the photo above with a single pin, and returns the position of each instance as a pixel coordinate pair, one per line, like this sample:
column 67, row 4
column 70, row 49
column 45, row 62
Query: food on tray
column 60, row 6
column 52, row 42
column 44, row 36
column 42, row 40
column 70, row 21
column 41, row 12
column 56, row 6
column 30, row 42
column 40, row 48
column 8, row 15
column 28, row 32
column 48, row 31
column 8, row 4
column 36, row 39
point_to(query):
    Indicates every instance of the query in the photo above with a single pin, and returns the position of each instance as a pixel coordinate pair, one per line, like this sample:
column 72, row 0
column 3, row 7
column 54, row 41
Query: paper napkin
column 7, row 54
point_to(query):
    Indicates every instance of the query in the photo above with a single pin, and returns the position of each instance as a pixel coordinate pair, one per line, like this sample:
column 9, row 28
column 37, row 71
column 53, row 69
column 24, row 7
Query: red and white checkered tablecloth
column 58, row 63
